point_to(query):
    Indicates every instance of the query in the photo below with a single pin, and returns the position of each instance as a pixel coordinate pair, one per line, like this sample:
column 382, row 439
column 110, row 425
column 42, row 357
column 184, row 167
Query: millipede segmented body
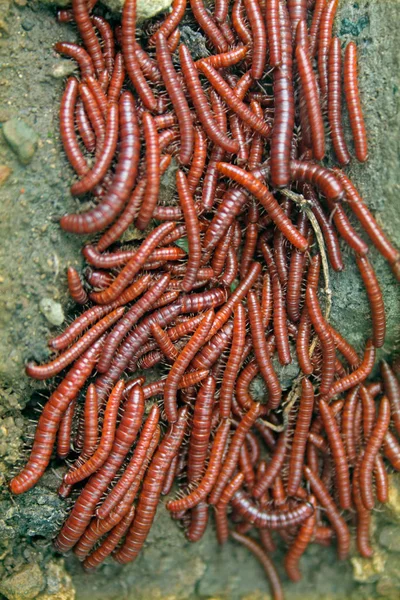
column 213, row 230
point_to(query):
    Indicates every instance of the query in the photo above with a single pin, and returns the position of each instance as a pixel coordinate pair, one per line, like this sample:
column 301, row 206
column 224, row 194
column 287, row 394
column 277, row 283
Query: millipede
column 212, row 233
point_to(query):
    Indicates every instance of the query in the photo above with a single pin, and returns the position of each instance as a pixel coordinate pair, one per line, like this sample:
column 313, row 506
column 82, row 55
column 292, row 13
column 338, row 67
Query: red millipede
column 79, row 54
column 273, row 32
column 297, row 12
column 205, row 485
column 220, row 253
column 131, row 62
column 344, row 347
column 325, row 180
column 125, row 174
column 130, row 211
column 323, row 333
column 66, row 358
column 233, row 364
column 300, row 544
column 198, row 522
column 237, row 296
column 265, row 561
column 259, row 48
column 302, row 427
column 311, row 96
column 117, row 79
column 372, row 448
column 90, row 316
column 102, row 164
column 182, row 362
column 232, row 456
column 178, row 99
column 98, row 93
column 296, row 271
column 212, row 350
column 107, row 38
column 338, row 454
column 348, row 418
column 270, row 518
column 363, row 517
column 239, row 23
column 110, row 543
column 303, row 343
column 352, row 96
column 75, row 287
column 369, row 224
column 106, row 441
column 231, row 205
column 261, row 351
column 151, row 489
column 330, row 237
column 335, row 102
column 391, row 450
column 64, row 431
column 193, row 231
column 225, row 59
column 171, row 22
column 332, row 512
column 280, row 248
column 221, row 519
column 50, row 419
column 375, row 298
column 315, row 23
column 261, row 192
column 164, row 341
column 84, row 127
column 82, row 19
column 199, row 159
column 67, row 127
column 131, row 317
column 392, row 391
column 133, row 266
column 92, row 108
column 345, row 228
column 208, row 25
column 279, row 310
column 153, row 172
column 246, row 467
column 84, row 507
column 358, row 375
column 324, row 40
column 240, row 108
column 282, row 129
column 201, row 429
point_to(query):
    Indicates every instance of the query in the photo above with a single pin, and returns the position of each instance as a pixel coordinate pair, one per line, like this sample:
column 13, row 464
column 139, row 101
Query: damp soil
column 33, row 259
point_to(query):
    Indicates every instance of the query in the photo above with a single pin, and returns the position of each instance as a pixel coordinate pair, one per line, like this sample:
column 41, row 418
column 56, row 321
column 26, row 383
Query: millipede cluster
column 227, row 284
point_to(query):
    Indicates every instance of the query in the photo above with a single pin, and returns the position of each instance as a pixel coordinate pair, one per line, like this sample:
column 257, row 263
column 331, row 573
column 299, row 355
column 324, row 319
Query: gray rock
column 26, row 584
column 52, row 311
column 145, row 8
column 58, row 3
column 389, row 538
column 21, row 138
column 28, row 24
column 62, row 69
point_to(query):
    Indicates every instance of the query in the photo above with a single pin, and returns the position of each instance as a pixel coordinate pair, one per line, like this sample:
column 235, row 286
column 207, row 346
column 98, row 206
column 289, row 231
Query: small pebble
column 52, row 311
column 27, row 23
column 62, row 69
column 21, row 138
column 145, row 8
column 5, row 173
column 26, row 584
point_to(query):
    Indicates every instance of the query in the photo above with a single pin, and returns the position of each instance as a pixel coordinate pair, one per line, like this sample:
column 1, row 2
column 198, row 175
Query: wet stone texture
column 33, row 260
